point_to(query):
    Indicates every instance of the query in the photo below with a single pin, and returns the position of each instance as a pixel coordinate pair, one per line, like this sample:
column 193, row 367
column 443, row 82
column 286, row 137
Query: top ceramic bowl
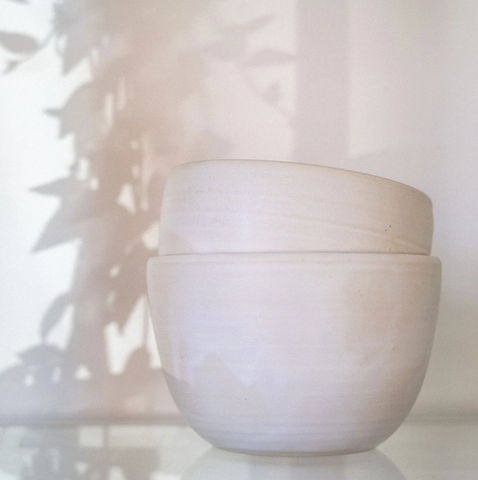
column 227, row 206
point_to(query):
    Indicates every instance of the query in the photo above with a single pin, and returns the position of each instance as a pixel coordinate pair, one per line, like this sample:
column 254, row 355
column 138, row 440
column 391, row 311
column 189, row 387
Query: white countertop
column 419, row 450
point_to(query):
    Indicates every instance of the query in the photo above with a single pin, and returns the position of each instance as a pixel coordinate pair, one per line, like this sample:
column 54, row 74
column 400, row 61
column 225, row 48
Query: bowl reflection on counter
column 217, row 464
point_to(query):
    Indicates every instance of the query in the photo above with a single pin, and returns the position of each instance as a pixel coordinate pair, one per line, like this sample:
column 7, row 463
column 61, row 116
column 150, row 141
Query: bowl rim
column 353, row 258
column 302, row 165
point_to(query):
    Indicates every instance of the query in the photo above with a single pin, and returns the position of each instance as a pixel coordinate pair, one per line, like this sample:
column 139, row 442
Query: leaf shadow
column 127, row 132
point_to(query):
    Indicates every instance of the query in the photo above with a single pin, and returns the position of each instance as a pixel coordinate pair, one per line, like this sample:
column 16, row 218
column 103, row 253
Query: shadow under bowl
column 219, row 465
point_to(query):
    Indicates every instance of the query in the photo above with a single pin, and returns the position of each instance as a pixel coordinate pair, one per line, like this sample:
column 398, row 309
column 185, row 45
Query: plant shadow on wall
column 127, row 132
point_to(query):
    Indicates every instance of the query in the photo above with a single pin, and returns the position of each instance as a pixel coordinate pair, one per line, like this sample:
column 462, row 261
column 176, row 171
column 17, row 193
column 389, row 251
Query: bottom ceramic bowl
column 292, row 353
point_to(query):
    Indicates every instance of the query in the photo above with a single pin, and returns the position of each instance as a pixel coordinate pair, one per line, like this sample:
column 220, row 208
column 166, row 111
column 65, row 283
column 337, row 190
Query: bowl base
column 297, row 454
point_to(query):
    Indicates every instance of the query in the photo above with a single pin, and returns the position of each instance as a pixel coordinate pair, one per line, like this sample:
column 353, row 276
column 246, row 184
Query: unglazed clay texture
column 294, row 353
column 226, row 206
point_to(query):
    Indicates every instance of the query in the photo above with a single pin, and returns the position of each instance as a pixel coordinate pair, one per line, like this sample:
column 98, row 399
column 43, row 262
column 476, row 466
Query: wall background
column 99, row 100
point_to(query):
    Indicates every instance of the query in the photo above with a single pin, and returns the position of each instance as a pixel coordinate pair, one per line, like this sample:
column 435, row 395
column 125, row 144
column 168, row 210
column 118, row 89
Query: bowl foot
column 297, row 454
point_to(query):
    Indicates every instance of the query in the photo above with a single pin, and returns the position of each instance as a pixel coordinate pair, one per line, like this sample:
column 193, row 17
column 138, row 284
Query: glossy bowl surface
column 294, row 354
column 231, row 206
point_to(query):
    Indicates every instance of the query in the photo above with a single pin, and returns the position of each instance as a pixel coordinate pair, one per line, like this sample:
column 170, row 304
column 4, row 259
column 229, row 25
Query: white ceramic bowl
column 227, row 206
column 294, row 354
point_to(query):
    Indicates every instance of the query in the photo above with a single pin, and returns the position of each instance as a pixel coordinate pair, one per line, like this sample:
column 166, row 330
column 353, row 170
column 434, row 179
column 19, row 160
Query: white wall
column 120, row 94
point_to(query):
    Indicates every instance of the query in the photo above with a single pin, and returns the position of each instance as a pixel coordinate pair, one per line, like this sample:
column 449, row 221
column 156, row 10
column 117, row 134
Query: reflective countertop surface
column 419, row 450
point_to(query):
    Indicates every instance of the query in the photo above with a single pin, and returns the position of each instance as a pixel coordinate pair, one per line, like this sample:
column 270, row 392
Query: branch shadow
column 126, row 135
column 127, row 127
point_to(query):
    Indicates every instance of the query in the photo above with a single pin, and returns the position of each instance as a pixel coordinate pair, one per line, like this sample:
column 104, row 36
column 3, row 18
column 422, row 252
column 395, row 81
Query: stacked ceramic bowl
column 294, row 305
